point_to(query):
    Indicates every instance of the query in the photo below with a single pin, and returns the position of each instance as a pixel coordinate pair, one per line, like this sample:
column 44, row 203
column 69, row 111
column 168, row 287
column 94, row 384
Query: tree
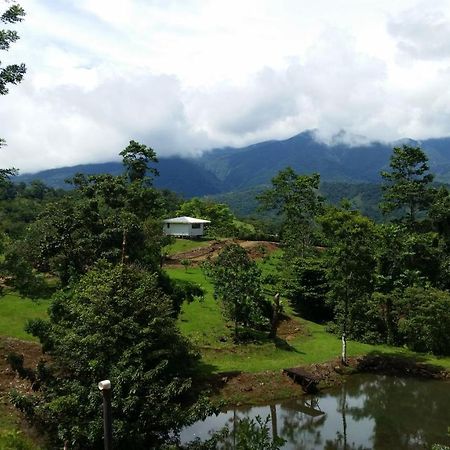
column 424, row 323
column 136, row 158
column 351, row 265
column 222, row 219
column 305, row 284
column 296, row 198
column 407, row 182
column 106, row 217
column 115, row 323
column 237, row 282
column 12, row 73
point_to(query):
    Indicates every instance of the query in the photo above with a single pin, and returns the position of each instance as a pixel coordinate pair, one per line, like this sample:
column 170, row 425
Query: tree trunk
column 273, row 416
column 344, row 349
column 344, row 417
column 276, row 309
column 124, row 244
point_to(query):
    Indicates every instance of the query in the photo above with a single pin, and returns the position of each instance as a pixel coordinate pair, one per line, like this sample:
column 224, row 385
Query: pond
column 367, row 412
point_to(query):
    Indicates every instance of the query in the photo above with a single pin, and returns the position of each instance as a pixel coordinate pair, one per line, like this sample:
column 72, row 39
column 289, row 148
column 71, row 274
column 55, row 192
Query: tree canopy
column 407, row 183
column 115, row 323
column 11, row 73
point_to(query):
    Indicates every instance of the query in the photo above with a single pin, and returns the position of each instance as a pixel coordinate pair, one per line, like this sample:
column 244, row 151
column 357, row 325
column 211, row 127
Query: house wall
column 182, row 229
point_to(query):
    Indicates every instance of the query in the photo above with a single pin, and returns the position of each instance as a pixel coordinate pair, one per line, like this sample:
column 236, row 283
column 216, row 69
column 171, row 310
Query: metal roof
column 186, row 219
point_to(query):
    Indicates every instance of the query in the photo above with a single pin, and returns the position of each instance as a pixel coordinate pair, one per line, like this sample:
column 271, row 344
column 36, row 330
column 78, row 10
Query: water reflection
column 368, row 412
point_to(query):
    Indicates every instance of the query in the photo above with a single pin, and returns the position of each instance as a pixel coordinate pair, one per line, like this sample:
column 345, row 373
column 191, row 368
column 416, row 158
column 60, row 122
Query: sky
column 185, row 76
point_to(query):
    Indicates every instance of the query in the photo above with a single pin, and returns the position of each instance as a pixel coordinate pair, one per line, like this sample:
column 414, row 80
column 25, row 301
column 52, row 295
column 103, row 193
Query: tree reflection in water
column 367, row 412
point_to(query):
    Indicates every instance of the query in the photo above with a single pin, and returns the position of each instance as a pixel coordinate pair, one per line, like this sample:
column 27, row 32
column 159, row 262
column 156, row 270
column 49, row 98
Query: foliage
column 106, row 217
column 249, row 434
column 12, row 73
column 407, row 182
column 15, row 440
column 296, row 198
column 136, row 158
column 305, row 284
column 407, row 258
column 222, row 219
column 237, row 283
column 255, row 435
column 351, row 264
column 186, row 263
column 117, row 324
column 424, row 322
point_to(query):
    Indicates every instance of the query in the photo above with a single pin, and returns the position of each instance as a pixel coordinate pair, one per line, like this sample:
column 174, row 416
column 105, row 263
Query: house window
column 195, row 226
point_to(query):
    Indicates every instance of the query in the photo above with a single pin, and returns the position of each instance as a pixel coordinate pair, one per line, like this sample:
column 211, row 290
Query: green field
column 15, row 311
column 202, row 322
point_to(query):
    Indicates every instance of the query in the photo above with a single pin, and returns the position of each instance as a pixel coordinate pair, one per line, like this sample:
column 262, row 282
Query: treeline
column 372, row 282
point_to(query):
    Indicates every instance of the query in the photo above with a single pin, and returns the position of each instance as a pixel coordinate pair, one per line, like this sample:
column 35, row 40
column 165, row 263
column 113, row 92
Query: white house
column 184, row 226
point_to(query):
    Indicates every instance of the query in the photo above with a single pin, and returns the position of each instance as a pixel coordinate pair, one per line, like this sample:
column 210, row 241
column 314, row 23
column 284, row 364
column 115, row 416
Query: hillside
column 236, row 169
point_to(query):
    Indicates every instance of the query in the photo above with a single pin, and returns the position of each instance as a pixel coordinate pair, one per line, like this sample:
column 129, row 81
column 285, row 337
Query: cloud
column 422, row 32
column 67, row 124
column 187, row 77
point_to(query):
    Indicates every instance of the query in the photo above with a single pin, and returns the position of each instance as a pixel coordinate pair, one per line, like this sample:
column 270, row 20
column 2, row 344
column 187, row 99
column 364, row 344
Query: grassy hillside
column 15, row 311
column 203, row 323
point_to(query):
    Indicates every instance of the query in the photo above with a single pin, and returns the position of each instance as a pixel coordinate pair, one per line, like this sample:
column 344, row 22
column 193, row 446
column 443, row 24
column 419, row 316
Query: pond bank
column 239, row 388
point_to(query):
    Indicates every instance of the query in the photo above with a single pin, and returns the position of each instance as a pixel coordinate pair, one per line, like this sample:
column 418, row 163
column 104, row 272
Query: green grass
column 185, row 245
column 16, row 311
column 203, row 323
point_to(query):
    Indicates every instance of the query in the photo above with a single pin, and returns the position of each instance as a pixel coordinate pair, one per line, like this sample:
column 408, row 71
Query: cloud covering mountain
column 187, row 76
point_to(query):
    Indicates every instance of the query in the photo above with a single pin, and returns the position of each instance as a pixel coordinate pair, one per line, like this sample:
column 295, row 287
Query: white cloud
column 423, row 32
column 187, row 76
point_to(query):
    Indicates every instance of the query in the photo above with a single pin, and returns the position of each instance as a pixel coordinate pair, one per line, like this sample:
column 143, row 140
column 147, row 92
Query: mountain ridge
column 233, row 169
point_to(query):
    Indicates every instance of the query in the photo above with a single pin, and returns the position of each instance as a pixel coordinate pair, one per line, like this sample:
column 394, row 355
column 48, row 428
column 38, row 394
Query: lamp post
column 105, row 388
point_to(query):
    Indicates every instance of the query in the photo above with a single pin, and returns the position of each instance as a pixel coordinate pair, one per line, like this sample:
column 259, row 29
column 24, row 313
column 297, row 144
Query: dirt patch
column 256, row 250
column 236, row 388
column 11, row 381
column 289, row 328
column 31, row 351
column 400, row 366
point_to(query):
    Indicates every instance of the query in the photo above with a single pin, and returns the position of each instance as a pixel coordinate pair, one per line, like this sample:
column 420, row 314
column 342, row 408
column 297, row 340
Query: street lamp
column 105, row 388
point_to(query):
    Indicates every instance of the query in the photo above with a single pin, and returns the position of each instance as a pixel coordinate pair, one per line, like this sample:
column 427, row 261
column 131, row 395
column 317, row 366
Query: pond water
column 367, row 412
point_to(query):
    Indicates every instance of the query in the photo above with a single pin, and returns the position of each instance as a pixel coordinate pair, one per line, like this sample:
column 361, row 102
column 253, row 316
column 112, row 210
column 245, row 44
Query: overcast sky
column 187, row 75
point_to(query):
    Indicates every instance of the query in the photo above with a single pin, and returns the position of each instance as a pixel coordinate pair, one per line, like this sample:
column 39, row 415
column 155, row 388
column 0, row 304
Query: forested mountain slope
column 236, row 169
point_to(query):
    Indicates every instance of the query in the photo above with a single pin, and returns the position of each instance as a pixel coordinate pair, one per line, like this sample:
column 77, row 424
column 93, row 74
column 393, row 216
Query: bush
column 425, row 321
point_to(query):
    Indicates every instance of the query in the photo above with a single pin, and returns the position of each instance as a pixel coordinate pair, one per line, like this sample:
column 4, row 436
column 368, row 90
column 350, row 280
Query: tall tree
column 407, row 183
column 237, row 283
column 136, row 159
column 12, row 73
column 351, row 265
column 296, row 198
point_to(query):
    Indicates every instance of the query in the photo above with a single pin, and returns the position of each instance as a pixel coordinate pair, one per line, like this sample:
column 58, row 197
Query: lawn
column 16, row 311
column 185, row 245
column 202, row 322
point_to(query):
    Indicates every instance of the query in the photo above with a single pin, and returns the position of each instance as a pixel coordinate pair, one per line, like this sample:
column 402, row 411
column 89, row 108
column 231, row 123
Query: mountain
column 180, row 175
column 236, row 169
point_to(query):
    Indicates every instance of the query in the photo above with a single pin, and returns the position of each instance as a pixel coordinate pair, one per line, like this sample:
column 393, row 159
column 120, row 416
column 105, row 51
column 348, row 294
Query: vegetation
column 343, row 284
column 115, row 323
column 237, row 283
column 407, row 182
column 16, row 311
column 12, row 73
